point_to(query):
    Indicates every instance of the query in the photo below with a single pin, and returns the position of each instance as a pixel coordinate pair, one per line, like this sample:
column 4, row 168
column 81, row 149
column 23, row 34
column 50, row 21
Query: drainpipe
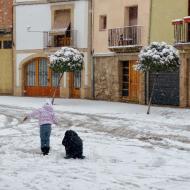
column 150, row 21
column 147, row 73
column 13, row 48
column 92, row 50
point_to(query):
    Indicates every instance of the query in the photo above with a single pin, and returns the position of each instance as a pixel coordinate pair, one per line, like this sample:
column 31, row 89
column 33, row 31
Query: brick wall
column 6, row 14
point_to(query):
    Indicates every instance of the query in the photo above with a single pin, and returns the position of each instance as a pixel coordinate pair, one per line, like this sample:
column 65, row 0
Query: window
column 77, row 79
column 103, row 22
column 55, row 79
column 31, row 74
column 62, row 19
column 62, row 23
column 133, row 16
column 125, row 81
column 43, row 72
column 7, row 44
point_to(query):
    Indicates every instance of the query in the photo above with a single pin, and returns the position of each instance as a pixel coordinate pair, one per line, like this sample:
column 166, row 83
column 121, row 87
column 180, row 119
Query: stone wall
column 106, row 78
column 184, row 89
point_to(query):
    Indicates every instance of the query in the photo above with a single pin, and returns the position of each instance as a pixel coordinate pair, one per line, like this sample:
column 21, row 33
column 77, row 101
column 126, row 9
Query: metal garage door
column 166, row 89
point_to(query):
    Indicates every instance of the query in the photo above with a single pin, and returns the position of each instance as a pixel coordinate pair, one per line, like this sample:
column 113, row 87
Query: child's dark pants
column 45, row 131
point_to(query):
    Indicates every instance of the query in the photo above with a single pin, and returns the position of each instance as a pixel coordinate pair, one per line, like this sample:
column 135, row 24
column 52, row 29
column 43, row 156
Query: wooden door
column 39, row 79
column 75, row 84
column 130, row 82
column 133, row 82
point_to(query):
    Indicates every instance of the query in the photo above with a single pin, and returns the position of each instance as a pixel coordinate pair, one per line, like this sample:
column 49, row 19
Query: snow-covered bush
column 158, row 57
column 66, row 60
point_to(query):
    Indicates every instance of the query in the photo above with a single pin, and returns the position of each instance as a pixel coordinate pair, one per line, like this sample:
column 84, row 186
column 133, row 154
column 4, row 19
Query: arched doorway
column 39, row 80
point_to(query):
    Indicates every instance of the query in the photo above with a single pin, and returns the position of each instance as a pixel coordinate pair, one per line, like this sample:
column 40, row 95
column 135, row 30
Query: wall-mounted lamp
column 28, row 28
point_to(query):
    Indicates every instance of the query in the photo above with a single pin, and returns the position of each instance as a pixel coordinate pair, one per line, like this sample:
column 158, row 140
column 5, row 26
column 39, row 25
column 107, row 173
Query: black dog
column 73, row 145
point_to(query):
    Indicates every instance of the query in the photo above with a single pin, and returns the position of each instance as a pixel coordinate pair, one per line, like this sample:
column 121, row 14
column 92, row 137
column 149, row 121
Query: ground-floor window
column 55, row 79
column 31, row 74
column 77, row 79
column 43, row 72
column 125, row 81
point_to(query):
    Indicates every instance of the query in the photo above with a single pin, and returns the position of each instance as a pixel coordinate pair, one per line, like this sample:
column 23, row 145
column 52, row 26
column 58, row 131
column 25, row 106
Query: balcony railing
column 181, row 30
column 60, row 38
column 125, row 37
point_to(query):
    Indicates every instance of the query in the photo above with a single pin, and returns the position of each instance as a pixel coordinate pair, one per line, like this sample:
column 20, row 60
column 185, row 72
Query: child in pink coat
column 46, row 118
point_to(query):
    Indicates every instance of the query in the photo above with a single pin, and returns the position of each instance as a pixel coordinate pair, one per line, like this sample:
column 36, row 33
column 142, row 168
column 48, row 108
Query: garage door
column 166, row 89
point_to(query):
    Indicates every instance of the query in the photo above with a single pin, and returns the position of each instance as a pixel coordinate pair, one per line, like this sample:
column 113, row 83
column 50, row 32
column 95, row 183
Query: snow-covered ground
column 125, row 148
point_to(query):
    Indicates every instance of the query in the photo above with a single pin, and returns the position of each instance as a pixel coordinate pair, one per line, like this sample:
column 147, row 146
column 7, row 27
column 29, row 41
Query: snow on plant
column 158, row 57
column 66, row 60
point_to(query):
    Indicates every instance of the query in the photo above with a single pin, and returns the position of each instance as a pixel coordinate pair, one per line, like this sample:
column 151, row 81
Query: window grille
column 77, row 79
column 55, row 79
column 31, row 74
column 125, row 82
column 43, row 72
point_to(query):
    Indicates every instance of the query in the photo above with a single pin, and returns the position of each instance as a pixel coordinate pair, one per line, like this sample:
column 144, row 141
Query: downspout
column 149, row 40
column 150, row 21
column 13, row 46
column 92, row 50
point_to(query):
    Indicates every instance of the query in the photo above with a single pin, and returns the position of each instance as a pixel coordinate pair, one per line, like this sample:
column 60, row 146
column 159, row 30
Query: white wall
column 38, row 17
column 81, row 23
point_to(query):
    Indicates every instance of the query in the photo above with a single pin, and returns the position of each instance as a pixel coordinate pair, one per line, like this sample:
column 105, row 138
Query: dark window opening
column 133, row 16
column 125, row 81
column 7, row 44
column 103, row 22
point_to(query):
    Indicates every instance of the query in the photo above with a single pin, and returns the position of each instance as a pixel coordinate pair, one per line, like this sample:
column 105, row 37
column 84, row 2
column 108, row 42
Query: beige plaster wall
column 6, row 75
column 115, row 11
column 162, row 14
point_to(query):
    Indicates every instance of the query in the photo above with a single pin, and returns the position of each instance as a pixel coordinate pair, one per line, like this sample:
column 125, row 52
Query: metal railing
column 182, row 33
column 126, row 36
column 181, row 30
column 60, row 38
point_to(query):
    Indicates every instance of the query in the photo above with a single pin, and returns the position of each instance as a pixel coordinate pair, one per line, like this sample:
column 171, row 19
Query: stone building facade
column 120, row 30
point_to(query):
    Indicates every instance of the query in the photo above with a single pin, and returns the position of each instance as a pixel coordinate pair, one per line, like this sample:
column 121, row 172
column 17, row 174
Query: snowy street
column 125, row 148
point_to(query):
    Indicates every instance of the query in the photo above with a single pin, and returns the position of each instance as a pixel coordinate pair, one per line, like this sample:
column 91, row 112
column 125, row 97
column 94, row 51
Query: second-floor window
column 133, row 16
column 103, row 22
column 62, row 28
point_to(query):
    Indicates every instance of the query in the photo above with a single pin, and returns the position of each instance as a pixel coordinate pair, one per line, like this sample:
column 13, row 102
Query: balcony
column 59, row 38
column 182, row 32
column 127, row 39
